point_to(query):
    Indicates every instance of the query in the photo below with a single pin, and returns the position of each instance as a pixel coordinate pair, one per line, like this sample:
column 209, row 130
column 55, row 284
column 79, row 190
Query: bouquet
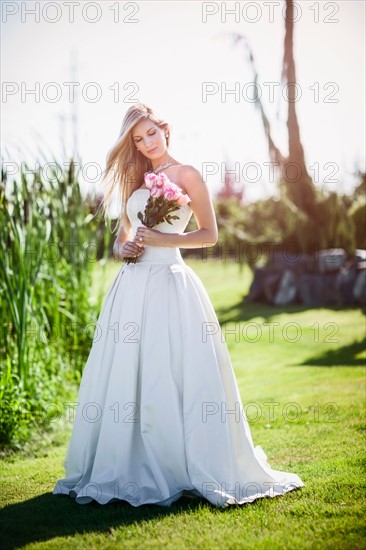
column 165, row 197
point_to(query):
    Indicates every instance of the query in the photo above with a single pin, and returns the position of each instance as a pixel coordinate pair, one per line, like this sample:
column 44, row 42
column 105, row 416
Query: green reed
column 46, row 316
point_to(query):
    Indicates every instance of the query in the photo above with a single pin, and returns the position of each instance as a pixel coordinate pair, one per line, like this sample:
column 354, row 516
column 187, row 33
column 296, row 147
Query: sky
column 179, row 58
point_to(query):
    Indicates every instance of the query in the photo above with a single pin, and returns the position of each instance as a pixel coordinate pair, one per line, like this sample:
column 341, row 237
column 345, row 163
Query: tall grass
column 46, row 263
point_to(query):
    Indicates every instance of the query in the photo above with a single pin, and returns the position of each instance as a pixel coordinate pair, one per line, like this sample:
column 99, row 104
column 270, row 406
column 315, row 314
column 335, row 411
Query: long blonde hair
column 125, row 165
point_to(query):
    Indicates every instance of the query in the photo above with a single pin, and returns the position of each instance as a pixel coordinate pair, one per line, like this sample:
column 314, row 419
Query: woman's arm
column 124, row 235
column 207, row 234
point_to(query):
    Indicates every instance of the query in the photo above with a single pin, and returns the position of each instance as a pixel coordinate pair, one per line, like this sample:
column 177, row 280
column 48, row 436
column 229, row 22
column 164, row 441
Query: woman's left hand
column 150, row 236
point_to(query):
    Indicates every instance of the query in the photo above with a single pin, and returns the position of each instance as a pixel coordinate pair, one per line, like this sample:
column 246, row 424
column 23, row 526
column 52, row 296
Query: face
column 149, row 139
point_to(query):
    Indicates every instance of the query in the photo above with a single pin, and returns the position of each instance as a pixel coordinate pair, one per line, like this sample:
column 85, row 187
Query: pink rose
column 164, row 179
column 171, row 193
column 183, row 200
column 160, row 181
column 150, row 179
column 156, row 191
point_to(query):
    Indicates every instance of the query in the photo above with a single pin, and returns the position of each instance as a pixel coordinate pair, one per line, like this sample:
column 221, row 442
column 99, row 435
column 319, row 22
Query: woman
column 159, row 412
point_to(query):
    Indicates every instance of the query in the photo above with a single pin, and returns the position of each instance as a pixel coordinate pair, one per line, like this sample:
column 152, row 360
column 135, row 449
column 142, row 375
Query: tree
column 326, row 222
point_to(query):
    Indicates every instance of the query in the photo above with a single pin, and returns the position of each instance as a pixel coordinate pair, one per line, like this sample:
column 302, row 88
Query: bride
column 159, row 413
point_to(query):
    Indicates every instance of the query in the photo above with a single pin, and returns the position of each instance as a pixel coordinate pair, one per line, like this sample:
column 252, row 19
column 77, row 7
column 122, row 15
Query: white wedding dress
column 159, row 413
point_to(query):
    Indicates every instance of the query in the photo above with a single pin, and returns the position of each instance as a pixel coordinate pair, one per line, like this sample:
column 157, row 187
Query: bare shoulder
column 191, row 179
column 190, row 171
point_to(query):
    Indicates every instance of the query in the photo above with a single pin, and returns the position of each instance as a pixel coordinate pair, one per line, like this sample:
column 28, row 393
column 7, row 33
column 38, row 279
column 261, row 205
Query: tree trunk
column 299, row 184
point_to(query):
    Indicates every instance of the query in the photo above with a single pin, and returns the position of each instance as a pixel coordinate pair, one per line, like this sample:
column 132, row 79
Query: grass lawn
column 301, row 373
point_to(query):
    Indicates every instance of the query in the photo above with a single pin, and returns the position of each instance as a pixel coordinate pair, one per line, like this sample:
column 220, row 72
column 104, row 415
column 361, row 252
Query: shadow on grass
column 247, row 311
column 345, row 356
column 49, row 516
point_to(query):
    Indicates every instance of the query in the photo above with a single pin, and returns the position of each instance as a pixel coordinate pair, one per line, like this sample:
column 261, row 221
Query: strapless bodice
column 157, row 254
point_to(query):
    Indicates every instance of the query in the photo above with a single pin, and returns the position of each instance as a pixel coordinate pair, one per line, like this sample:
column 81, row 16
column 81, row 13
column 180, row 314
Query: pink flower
column 155, row 190
column 171, row 192
column 183, row 200
column 164, row 178
column 160, row 184
column 149, row 179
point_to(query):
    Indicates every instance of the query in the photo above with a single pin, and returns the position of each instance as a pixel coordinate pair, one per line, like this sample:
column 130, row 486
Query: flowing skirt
column 159, row 413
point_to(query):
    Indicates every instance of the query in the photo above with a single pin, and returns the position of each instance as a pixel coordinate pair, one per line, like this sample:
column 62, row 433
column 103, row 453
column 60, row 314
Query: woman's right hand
column 128, row 250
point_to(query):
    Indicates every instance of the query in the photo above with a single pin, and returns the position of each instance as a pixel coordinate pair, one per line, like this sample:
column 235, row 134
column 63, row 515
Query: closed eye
column 152, row 134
